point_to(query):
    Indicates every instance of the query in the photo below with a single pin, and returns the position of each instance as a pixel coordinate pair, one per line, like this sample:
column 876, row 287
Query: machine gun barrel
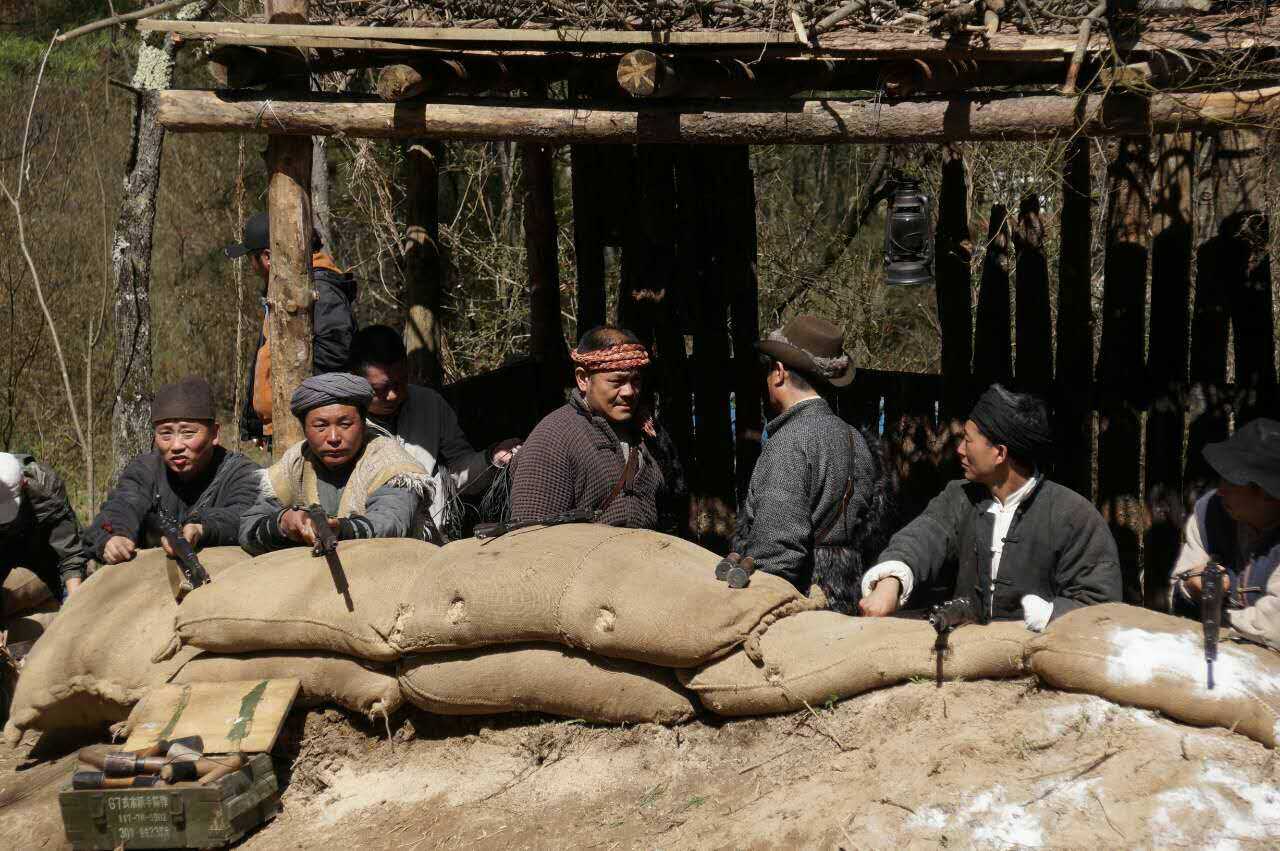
column 327, row 546
column 945, row 617
column 1211, row 598
column 193, row 573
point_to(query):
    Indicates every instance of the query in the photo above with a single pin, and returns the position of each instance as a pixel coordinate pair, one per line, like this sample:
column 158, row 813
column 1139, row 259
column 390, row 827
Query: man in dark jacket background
column 38, row 527
column 202, row 486
column 816, row 499
column 1016, row 544
column 333, row 322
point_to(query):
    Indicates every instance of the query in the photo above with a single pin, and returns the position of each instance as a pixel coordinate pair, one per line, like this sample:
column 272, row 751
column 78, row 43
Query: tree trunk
column 289, row 289
column 320, row 191
column 812, row 122
column 131, row 428
column 423, row 272
column 546, row 331
column 1074, row 378
column 953, row 257
column 1167, row 360
column 992, row 343
column 1121, row 360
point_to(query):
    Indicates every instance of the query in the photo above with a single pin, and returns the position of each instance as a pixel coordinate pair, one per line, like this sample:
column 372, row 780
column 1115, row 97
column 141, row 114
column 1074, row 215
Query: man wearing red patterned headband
column 600, row 454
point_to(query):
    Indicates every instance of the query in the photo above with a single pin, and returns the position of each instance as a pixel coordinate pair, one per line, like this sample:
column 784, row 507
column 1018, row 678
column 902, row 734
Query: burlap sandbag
column 623, row 593
column 1155, row 661
column 544, row 678
column 95, row 659
column 23, row 592
column 286, row 600
column 31, row 625
column 814, row 657
column 351, row 683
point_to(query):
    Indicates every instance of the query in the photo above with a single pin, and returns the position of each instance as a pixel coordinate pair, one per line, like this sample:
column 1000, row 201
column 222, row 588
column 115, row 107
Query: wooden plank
column 1033, row 325
column 546, row 331
column 241, row 716
column 737, row 200
column 953, row 259
column 589, row 183
column 785, row 121
column 993, row 342
column 1073, row 381
column 1004, row 45
column 423, row 272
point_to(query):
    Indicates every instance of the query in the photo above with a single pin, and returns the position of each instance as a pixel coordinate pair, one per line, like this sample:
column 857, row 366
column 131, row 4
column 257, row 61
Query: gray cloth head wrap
column 1016, row 420
column 331, row 388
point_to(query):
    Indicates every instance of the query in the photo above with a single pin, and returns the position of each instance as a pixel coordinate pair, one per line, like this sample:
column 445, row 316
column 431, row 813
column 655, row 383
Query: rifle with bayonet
column 327, row 545
column 944, row 618
column 1211, row 599
column 193, row 574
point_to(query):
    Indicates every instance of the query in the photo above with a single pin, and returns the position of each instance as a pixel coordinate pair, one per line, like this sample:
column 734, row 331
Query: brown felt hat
column 189, row 399
column 812, row 346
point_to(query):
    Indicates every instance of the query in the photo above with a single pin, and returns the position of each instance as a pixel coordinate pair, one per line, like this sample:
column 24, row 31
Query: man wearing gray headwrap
column 367, row 484
column 1020, row 546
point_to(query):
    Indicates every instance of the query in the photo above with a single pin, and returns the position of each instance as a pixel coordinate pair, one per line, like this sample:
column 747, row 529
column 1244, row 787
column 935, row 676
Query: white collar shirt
column 1004, row 513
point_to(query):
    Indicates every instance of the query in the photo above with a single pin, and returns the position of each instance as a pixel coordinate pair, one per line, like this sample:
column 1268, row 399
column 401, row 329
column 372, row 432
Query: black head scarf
column 1016, row 420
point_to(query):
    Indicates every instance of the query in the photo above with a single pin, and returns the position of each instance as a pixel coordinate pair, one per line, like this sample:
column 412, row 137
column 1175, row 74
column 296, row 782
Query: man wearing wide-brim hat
column 1238, row 523
column 815, row 507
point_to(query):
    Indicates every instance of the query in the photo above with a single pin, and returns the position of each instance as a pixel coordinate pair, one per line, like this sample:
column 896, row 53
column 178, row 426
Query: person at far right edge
column 1021, row 546
column 1238, row 524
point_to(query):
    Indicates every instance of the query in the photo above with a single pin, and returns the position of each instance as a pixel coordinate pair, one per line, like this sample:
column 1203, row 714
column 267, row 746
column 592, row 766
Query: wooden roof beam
column 768, row 122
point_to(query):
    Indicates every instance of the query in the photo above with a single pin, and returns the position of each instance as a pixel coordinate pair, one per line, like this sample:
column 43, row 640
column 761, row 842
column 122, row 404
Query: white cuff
column 898, row 570
column 1036, row 612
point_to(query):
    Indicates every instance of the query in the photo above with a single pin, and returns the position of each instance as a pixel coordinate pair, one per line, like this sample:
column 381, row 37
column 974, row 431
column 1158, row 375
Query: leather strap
column 628, row 472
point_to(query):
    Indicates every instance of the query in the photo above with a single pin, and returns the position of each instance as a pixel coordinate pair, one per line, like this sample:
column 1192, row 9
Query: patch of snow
column 1244, row 809
column 993, row 821
column 1147, row 655
column 927, row 818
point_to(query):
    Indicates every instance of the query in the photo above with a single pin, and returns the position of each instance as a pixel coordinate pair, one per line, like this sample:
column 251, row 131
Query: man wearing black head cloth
column 1017, row 544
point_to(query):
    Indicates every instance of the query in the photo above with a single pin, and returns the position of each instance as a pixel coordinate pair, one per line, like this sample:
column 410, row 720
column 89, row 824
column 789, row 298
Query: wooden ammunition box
column 185, row 815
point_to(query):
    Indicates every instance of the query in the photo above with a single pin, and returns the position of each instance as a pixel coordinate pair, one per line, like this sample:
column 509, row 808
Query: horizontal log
column 848, row 43
column 763, row 122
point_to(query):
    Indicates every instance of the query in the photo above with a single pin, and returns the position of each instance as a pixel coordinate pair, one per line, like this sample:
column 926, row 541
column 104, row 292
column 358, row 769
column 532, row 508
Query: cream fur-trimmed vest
column 292, row 479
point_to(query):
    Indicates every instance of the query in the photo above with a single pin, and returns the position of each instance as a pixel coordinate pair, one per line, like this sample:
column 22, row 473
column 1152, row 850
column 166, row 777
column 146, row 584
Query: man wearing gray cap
column 201, row 485
column 333, row 322
column 38, row 528
column 367, row 484
column 1238, row 524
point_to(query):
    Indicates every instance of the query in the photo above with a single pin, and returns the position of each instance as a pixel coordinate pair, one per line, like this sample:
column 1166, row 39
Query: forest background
column 207, row 310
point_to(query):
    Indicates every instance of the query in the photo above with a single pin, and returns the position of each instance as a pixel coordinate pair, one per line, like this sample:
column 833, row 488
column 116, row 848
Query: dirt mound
column 974, row 764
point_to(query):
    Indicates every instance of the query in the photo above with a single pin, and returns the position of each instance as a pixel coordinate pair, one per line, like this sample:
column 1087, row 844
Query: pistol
column 327, row 546
column 945, row 617
column 193, row 573
column 1211, row 595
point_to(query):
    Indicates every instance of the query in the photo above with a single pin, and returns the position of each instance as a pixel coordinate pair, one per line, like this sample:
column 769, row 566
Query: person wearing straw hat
column 818, row 501
column 1238, row 524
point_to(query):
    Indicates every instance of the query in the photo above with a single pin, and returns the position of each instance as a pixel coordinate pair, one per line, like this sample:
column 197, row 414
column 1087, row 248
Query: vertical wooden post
column 739, row 256
column 953, row 256
column 1074, row 377
column 1122, row 356
column 1216, row 262
column 1167, row 361
column 588, row 234
column 541, row 257
column 289, row 298
column 992, row 340
column 423, row 272
column 1032, row 323
column 711, row 479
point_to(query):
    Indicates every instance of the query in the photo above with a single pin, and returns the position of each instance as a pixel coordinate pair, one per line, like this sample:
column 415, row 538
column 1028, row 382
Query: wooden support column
column 1128, row 234
column 540, row 241
column 739, row 257
column 1167, row 360
column 423, row 271
column 712, row 477
column 1033, row 326
column 953, row 257
column 1216, row 261
column 289, row 294
column 993, row 342
column 589, row 181
column 1074, row 378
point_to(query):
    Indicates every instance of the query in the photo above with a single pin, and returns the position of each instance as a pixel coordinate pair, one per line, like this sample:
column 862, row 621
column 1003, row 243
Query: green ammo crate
column 184, row 816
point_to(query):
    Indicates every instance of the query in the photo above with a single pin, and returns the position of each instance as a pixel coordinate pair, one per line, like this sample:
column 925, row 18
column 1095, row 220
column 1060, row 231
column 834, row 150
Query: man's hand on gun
column 883, row 599
column 193, row 532
column 1194, row 584
column 296, row 525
